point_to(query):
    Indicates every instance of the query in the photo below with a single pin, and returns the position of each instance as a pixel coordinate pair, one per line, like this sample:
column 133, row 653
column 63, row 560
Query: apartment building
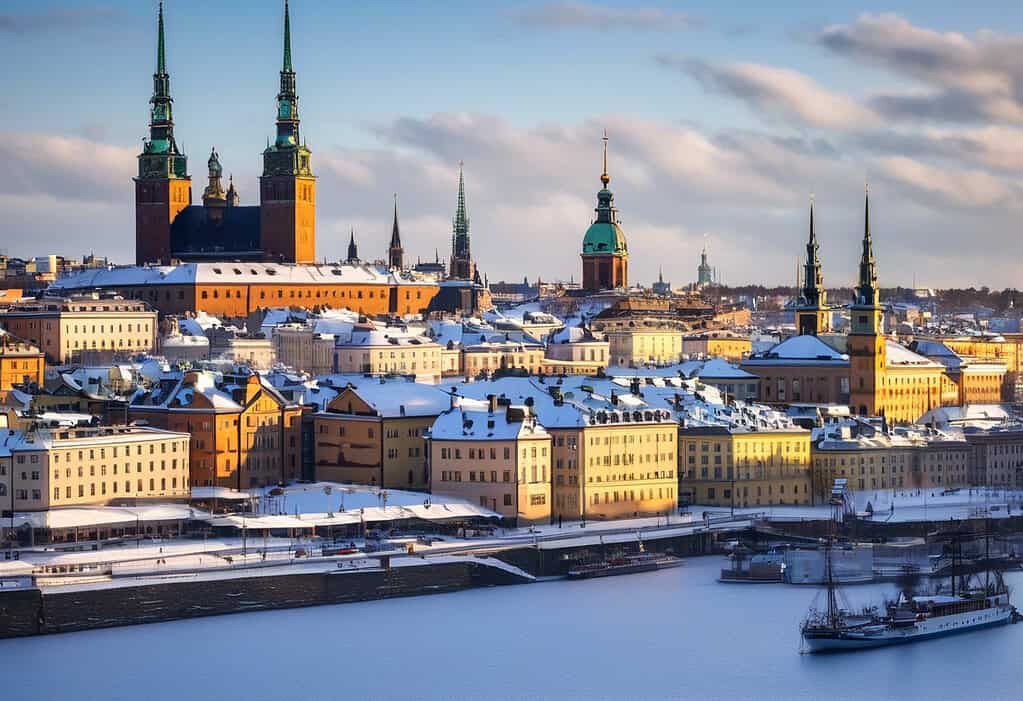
column 83, row 329
column 50, row 468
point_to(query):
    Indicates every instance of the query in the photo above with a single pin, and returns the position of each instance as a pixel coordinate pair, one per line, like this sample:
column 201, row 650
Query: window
column 507, row 497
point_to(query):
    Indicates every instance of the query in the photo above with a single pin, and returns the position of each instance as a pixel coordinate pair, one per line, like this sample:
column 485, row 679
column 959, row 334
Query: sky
column 722, row 118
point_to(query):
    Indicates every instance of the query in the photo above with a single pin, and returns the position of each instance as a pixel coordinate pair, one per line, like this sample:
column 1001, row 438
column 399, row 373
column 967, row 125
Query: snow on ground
column 312, row 498
column 909, row 505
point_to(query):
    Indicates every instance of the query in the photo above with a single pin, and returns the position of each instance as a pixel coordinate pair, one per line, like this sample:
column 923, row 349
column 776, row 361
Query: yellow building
column 495, row 455
column 71, row 467
column 734, row 465
column 20, row 363
column 583, row 356
column 613, row 469
column 871, row 459
column 717, row 344
column 376, row 434
column 644, row 344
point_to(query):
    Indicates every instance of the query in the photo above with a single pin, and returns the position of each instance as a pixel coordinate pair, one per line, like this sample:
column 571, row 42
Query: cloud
column 938, row 186
column 966, row 77
column 67, row 167
column 532, row 189
column 57, row 18
column 781, row 93
column 590, row 17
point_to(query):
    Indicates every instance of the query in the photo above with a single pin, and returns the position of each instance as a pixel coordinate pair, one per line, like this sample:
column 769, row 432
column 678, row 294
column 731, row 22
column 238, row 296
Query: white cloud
column 782, row 93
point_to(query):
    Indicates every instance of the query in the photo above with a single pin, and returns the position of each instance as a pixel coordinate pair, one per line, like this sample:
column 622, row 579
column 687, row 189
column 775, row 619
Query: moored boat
column 626, row 564
column 969, row 603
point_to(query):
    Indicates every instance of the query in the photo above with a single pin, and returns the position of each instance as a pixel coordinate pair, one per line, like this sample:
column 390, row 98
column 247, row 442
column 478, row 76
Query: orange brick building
column 169, row 227
column 237, row 289
column 244, row 433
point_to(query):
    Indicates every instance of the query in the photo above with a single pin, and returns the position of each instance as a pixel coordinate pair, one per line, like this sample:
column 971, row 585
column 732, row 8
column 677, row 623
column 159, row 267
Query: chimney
column 492, row 401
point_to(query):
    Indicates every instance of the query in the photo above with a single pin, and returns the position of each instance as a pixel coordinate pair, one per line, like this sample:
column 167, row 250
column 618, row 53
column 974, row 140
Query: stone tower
column 287, row 188
column 605, row 254
column 812, row 315
column 462, row 265
column 866, row 345
column 163, row 187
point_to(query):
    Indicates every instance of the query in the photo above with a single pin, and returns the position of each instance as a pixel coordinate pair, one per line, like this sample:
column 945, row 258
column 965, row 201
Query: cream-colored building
column 299, row 346
column 575, row 351
column 75, row 466
column 83, row 329
column 490, row 357
column 644, row 344
column 388, row 351
column 494, row 455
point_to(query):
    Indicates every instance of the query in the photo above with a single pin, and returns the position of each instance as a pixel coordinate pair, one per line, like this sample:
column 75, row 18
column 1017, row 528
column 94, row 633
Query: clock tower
column 287, row 188
column 163, row 187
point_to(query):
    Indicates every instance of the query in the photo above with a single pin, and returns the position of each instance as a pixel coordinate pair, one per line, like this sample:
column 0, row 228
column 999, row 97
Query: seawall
column 65, row 609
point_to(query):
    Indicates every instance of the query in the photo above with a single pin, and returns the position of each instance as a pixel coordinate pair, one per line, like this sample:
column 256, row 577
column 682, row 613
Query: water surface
column 670, row 634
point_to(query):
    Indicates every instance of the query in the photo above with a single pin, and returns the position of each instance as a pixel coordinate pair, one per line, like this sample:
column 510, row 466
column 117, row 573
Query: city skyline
column 743, row 118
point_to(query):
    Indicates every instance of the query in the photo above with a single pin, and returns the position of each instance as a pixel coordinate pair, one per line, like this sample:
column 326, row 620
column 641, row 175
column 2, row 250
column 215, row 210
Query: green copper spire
column 287, row 39
column 161, row 60
column 462, row 266
column 605, row 235
column 287, row 155
column 160, row 157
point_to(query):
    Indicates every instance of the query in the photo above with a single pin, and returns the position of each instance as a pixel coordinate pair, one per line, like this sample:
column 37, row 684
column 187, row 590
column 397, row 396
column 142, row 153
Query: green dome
column 604, row 237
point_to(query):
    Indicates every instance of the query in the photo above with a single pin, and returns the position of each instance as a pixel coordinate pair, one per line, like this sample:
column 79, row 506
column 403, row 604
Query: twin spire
column 866, row 293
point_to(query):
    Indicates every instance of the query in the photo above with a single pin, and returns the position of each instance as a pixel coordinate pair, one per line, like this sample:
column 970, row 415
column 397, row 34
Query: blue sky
column 722, row 118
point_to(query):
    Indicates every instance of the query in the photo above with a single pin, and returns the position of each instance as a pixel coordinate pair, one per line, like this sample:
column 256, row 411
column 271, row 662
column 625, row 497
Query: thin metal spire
column 161, row 54
column 287, row 39
column 604, row 177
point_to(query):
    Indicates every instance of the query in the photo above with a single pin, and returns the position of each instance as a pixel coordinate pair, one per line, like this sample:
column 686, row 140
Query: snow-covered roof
column 83, row 516
column 799, row 350
column 897, row 355
column 721, row 369
column 394, row 399
column 228, row 273
column 471, row 420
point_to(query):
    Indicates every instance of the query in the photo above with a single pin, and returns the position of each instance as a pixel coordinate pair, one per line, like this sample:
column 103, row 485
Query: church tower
column 163, row 187
column 287, row 188
column 812, row 315
column 605, row 254
column 462, row 265
column 866, row 343
column 395, row 253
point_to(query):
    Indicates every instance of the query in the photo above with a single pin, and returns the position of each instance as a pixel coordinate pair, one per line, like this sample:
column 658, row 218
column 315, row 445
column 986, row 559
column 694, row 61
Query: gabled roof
column 798, row 350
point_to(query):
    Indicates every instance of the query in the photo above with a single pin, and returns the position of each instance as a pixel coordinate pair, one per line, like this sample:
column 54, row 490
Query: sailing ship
column 971, row 602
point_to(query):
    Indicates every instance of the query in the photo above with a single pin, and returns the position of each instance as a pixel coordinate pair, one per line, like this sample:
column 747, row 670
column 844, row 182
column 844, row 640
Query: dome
column 604, row 237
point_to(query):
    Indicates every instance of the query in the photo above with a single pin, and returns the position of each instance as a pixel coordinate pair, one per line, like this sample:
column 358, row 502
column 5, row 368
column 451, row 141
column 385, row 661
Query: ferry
column 970, row 604
column 626, row 564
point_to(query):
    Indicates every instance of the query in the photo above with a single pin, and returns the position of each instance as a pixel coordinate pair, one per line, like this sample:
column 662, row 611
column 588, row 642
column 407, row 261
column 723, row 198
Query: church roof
column 194, row 232
column 604, row 237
